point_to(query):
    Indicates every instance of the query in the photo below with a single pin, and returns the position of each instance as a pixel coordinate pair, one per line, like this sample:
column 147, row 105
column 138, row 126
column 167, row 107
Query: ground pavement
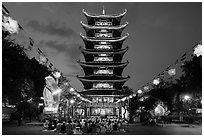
column 130, row 129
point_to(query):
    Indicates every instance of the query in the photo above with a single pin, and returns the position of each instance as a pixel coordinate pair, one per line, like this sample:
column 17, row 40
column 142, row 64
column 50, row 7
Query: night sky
column 159, row 34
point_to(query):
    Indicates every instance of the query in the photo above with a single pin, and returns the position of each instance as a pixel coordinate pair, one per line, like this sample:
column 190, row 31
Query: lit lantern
column 159, row 110
column 141, row 99
column 42, row 59
column 134, row 95
column 78, row 95
column 10, row 25
column 71, row 89
column 186, row 97
column 130, row 96
column 146, row 88
column 139, row 91
column 198, row 50
column 172, row 72
column 57, row 74
column 72, row 101
column 156, row 81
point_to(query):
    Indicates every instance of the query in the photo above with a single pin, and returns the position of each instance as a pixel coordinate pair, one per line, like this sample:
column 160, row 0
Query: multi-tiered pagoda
column 103, row 68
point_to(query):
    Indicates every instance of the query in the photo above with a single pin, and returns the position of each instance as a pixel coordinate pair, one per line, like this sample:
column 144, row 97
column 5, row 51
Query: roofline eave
column 104, row 16
column 87, row 65
column 107, row 40
column 88, row 27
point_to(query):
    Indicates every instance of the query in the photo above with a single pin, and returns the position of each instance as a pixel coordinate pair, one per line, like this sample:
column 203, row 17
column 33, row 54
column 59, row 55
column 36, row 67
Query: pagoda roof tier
column 115, row 18
column 102, row 92
column 110, row 40
column 89, row 68
column 103, row 78
column 89, row 27
column 104, row 16
column 97, row 65
column 111, row 51
column 88, row 83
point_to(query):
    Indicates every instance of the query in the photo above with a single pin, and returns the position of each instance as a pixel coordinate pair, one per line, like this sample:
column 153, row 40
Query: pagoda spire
column 104, row 11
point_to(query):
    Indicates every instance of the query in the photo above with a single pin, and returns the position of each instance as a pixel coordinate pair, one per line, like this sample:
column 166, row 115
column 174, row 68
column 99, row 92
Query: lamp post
column 186, row 101
column 72, row 103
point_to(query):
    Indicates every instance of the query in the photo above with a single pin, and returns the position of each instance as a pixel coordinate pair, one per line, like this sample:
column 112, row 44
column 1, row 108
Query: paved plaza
column 130, row 129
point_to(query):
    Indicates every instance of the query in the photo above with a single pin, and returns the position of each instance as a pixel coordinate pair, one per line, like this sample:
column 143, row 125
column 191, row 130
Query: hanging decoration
column 156, row 81
column 172, row 72
column 130, row 96
column 134, row 95
column 159, row 110
column 57, row 74
column 139, row 91
column 146, row 88
column 198, row 50
column 10, row 25
column 42, row 59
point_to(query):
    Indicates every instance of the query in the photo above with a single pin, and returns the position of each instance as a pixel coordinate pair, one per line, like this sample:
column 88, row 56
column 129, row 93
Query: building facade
column 103, row 66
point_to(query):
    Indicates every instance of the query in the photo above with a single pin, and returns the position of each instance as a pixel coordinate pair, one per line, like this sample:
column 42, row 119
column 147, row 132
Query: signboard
column 103, row 105
column 50, row 110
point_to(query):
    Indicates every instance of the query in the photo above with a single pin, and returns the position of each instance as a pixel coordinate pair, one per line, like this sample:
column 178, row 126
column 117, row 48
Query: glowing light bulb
column 139, row 91
column 71, row 89
column 146, row 88
column 72, row 101
column 130, row 96
column 198, row 50
column 78, row 95
column 172, row 72
column 186, row 97
column 156, row 81
column 10, row 25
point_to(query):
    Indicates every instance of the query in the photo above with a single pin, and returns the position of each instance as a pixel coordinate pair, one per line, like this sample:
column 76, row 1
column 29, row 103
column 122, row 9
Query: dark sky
column 159, row 34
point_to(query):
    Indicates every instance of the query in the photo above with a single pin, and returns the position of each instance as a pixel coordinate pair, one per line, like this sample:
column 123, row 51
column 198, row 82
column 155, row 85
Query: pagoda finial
column 104, row 12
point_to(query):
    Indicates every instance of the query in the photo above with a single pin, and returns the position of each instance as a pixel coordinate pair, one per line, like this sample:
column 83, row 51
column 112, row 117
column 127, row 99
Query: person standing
column 19, row 119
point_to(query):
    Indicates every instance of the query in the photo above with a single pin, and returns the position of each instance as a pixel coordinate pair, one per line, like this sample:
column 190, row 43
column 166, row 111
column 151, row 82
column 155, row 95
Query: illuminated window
column 103, row 35
column 103, row 23
column 103, row 72
column 102, row 85
column 103, row 42
column 102, row 55
column 103, row 59
column 103, row 46
column 104, row 31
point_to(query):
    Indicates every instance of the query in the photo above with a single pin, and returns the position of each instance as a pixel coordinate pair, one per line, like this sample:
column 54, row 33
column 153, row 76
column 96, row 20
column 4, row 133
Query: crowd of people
column 83, row 126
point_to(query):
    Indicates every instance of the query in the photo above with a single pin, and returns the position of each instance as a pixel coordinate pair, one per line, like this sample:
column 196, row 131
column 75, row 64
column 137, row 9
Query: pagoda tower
column 103, row 64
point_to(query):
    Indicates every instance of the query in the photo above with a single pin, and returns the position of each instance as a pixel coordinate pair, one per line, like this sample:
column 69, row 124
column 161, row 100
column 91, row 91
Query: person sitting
column 78, row 124
column 77, row 131
column 103, row 129
column 115, row 126
column 45, row 124
column 85, row 128
column 58, row 128
column 50, row 125
column 69, row 128
column 63, row 128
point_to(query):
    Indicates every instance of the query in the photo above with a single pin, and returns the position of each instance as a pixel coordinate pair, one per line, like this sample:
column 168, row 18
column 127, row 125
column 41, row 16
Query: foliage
column 19, row 72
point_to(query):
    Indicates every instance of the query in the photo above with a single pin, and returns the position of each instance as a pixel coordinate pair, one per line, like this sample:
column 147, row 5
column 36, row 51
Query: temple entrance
column 102, row 111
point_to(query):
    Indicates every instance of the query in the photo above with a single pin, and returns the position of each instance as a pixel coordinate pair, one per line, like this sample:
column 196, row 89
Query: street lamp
column 72, row 101
column 187, row 97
